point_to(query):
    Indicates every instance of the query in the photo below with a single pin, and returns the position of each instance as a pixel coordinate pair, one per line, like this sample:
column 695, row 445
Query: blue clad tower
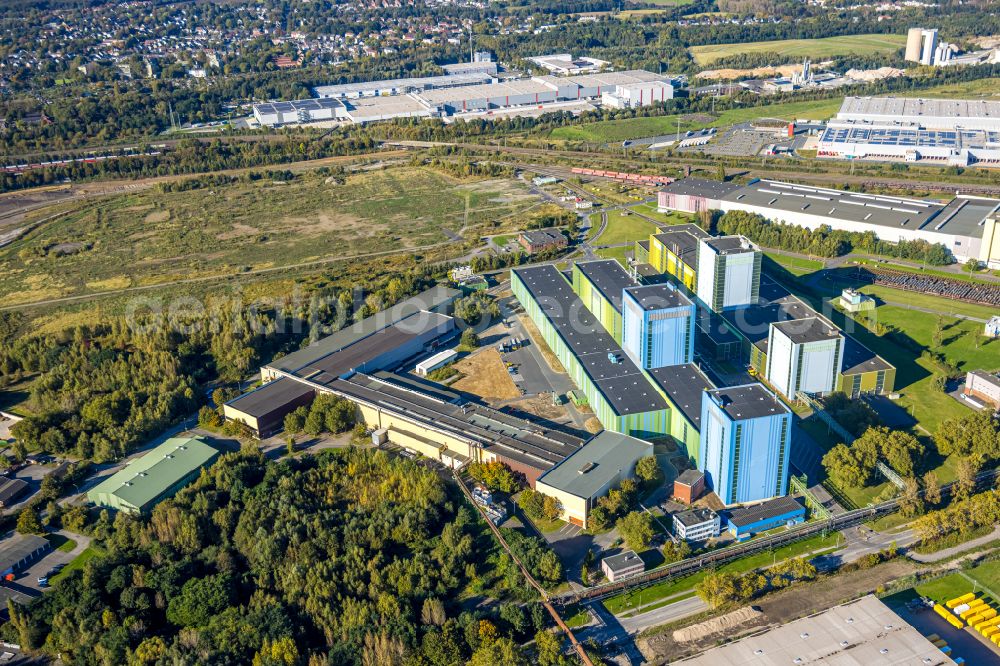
column 745, row 440
column 657, row 326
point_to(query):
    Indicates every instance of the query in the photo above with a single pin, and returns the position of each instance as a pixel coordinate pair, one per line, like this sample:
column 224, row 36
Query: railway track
column 722, row 556
column 589, row 158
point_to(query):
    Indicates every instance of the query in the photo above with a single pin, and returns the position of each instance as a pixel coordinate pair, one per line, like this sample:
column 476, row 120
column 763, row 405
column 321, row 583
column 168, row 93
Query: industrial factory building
column 953, row 132
column 463, row 93
column 745, row 443
column 969, row 227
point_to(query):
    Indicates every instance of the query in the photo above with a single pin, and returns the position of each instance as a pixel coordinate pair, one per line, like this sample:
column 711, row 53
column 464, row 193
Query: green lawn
column 61, row 543
column 763, row 559
column 813, row 48
column 615, row 131
column 797, row 266
column 624, row 228
column 613, row 253
column 649, row 210
column 79, row 562
column 576, row 617
column 955, row 585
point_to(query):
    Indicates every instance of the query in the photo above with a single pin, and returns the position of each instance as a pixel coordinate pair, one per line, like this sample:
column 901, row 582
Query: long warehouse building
column 968, row 226
column 444, row 96
column 955, row 132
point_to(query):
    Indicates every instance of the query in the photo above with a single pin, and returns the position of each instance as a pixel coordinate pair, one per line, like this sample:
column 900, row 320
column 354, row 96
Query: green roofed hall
column 155, row 476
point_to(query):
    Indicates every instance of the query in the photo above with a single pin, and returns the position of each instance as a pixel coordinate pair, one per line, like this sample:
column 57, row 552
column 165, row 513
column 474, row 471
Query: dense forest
column 347, row 557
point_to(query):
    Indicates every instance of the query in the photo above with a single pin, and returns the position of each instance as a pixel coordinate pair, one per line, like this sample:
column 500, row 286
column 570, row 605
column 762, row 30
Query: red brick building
column 540, row 240
column 689, row 485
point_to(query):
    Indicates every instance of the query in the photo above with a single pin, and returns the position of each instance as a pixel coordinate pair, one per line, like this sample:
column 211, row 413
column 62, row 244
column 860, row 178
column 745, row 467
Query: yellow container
column 989, row 631
column 958, row 601
column 955, row 622
column 995, row 638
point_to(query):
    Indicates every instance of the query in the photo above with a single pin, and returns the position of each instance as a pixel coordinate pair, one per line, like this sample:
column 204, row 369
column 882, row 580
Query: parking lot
column 28, row 578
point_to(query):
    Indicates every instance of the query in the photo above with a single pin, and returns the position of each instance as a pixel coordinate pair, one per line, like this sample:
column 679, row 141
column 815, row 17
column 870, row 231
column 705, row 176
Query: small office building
column 589, row 473
column 540, row 240
column 984, row 387
column 154, row 477
column 746, row 521
column 688, row 486
column 622, row 566
column 696, row 524
column 745, row 442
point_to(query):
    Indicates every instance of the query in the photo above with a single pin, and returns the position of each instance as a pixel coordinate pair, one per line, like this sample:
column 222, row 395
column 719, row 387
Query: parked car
column 43, row 581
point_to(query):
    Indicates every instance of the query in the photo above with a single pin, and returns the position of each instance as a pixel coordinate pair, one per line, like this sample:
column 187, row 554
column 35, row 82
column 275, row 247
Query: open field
column 613, row 131
column 485, row 376
column 159, row 236
column 624, row 228
column 797, row 266
column 954, row 585
column 813, row 48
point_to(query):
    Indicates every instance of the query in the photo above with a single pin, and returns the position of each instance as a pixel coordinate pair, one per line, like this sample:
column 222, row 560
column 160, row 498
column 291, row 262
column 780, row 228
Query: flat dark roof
column 541, row 236
column 429, row 299
column 658, row 296
column 700, row 187
column 749, row 401
column 608, row 277
column 812, row 329
column 748, row 515
column 714, row 326
column 19, row 546
column 682, row 240
column 272, row 395
column 858, row 358
column 731, row 244
column 327, row 369
column 694, row 516
column 780, row 305
column 684, row 385
column 614, row 374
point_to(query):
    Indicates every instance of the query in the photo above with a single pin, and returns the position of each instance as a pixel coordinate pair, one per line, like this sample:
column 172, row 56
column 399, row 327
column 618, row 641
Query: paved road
column 669, row 613
column 954, row 550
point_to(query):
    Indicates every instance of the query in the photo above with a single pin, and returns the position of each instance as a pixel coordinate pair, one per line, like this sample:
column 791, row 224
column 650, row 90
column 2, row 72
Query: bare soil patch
column 485, row 376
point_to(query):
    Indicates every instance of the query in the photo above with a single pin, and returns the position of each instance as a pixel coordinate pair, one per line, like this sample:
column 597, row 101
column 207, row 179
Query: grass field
column 624, row 228
column 813, row 48
column 649, row 210
column 955, row 585
column 614, row 131
column 670, row 588
column 617, row 253
column 78, row 563
column 797, row 266
column 154, row 237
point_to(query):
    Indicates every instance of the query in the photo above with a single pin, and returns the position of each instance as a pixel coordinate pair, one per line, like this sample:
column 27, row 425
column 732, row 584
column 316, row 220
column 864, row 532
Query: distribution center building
column 967, row 226
column 620, row 395
column 745, row 443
